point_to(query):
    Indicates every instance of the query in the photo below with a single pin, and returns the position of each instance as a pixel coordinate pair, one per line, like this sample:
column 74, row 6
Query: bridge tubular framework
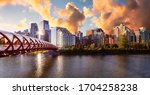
column 12, row 43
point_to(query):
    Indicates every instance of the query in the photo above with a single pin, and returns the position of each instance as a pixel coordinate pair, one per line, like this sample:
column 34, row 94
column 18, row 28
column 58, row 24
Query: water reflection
column 60, row 66
column 44, row 65
column 39, row 66
column 120, row 67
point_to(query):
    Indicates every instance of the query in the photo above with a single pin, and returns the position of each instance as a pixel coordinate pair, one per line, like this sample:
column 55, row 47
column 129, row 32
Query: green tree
column 123, row 42
column 92, row 46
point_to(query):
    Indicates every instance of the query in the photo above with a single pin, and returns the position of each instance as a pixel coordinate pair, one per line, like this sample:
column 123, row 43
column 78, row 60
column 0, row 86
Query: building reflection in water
column 120, row 69
column 60, row 66
column 21, row 62
column 39, row 66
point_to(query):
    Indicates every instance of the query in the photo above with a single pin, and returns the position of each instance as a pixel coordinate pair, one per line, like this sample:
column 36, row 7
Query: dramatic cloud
column 73, row 16
column 88, row 12
column 105, row 13
column 42, row 7
column 12, row 2
column 135, row 13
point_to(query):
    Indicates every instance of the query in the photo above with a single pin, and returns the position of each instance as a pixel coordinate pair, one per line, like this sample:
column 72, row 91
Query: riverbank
column 10, row 53
column 104, row 52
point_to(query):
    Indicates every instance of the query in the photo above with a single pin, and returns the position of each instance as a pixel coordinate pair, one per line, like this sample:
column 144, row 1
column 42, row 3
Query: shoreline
column 92, row 52
column 105, row 52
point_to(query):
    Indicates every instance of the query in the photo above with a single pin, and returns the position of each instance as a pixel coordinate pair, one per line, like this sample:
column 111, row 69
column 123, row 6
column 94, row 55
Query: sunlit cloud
column 73, row 17
column 22, row 24
column 113, row 13
column 104, row 13
column 72, row 22
column 7, row 26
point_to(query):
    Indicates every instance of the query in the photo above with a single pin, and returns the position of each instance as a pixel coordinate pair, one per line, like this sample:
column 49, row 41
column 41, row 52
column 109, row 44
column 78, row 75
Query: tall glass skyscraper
column 44, row 31
column 34, row 30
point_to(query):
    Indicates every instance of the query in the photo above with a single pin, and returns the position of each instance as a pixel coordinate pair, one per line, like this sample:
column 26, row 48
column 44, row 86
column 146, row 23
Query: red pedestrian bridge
column 13, row 44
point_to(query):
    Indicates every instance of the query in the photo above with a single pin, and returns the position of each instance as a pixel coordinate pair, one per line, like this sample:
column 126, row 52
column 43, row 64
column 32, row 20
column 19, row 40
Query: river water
column 100, row 66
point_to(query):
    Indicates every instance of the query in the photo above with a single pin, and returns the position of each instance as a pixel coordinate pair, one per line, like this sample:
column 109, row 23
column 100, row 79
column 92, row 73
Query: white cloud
column 92, row 25
column 1, row 18
column 24, row 11
column 11, row 27
column 22, row 24
column 7, row 26
column 83, row 0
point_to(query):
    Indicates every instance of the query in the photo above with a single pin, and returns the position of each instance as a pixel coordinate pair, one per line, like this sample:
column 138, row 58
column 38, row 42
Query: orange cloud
column 135, row 13
column 73, row 16
column 22, row 24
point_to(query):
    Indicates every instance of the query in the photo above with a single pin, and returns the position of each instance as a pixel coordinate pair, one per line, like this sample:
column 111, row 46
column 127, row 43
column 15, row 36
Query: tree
column 92, row 46
column 114, row 46
column 123, row 42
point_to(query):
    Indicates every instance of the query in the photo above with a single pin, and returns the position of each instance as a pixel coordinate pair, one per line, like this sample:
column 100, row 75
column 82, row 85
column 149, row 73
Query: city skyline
column 73, row 14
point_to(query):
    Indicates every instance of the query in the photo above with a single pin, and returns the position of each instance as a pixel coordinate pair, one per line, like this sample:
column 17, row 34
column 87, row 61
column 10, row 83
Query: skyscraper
column 97, row 36
column 144, row 35
column 64, row 38
column 53, row 35
column 79, row 38
column 79, row 34
column 124, row 30
column 34, row 30
column 44, row 31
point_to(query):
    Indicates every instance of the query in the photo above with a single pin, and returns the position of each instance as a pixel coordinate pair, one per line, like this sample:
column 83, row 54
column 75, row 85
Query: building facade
column 124, row 30
column 34, row 30
column 79, row 38
column 64, row 38
column 144, row 35
column 44, row 31
column 53, row 35
column 97, row 36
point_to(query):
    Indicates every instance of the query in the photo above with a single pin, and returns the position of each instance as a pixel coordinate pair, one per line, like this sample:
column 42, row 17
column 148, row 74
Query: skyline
column 72, row 14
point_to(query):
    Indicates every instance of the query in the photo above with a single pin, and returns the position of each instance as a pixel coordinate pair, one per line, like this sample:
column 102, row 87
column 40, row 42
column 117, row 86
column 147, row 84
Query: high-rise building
column 97, row 36
column 79, row 34
column 33, row 30
column 79, row 38
column 124, row 30
column 111, row 39
column 137, row 36
column 133, row 38
column 115, row 39
column 144, row 35
column 44, row 31
column 53, row 35
column 72, row 40
column 64, row 38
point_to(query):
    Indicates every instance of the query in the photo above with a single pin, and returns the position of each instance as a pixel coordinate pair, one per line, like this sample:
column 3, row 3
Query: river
column 98, row 66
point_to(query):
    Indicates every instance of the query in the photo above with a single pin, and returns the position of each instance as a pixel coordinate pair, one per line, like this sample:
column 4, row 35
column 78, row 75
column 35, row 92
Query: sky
column 15, row 17
column 75, row 15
